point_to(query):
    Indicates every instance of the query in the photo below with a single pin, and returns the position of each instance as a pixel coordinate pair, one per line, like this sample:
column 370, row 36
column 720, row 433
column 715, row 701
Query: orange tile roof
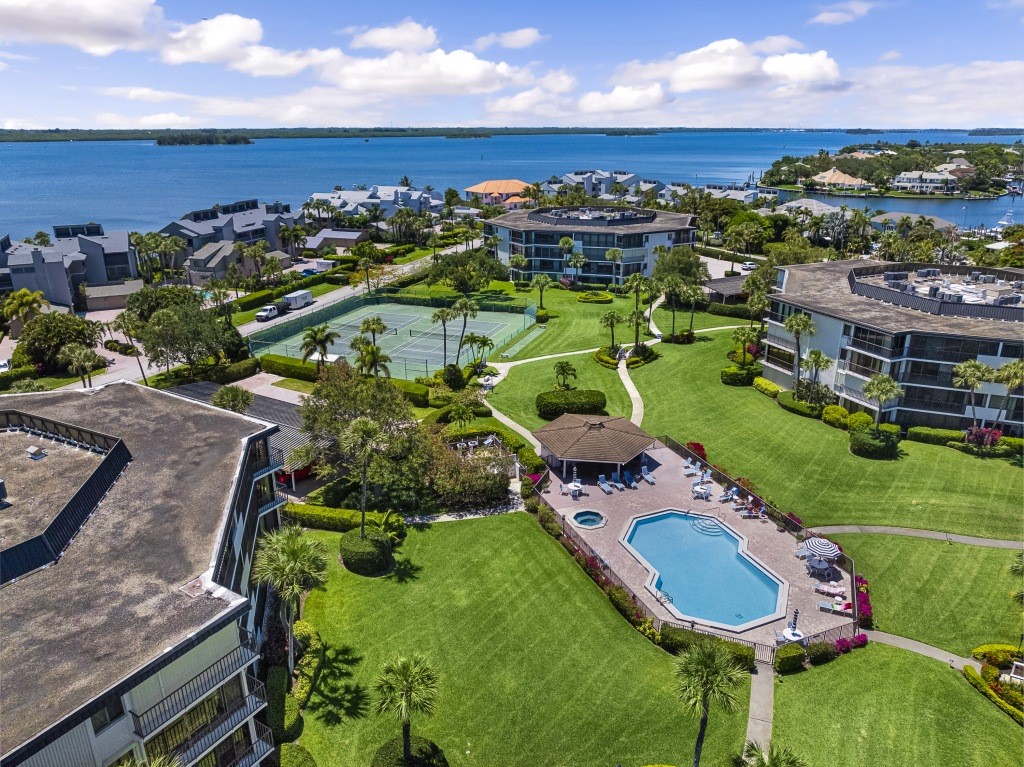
column 516, row 198
column 499, row 186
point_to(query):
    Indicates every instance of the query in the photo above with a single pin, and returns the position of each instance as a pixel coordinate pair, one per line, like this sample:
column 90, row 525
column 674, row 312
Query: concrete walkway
column 762, row 705
column 516, row 427
column 921, row 648
column 970, row 540
column 637, row 416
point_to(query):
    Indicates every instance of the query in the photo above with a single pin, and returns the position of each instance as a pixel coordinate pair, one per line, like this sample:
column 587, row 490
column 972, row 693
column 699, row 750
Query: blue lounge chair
column 615, row 481
column 832, row 607
column 648, row 477
column 603, row 484
column 727, row 496
column 630, row 482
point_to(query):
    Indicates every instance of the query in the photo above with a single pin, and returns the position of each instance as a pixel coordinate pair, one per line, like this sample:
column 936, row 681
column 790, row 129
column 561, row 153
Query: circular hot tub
column 588, row 519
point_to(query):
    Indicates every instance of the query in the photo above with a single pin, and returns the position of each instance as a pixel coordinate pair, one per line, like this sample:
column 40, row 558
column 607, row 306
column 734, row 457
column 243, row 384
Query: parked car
column 5, row 365
column 267, row 313
column 308, row 272
column 748, row 266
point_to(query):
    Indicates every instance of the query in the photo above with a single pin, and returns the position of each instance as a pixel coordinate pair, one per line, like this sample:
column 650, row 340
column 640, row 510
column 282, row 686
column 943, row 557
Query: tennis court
column 416, row 345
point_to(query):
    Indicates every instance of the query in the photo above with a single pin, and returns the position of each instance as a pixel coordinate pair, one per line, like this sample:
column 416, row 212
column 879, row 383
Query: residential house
column 887, row 222
column 132, row 626
column 334, row 238
column 507, row 192
column 925, row 182
column 836, row 179
column 212, row 261
column 246, row 221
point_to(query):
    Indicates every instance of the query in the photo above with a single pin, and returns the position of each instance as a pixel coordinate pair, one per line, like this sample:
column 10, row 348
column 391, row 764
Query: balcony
column 268, row 464
column 858, row 396
column 263, row 745
column 937, row 355
column 944, row 381
column 198, row 687
column 205, row 738
column 845, row 366
column 276, row 500
column 782, row 343
column 866, row 346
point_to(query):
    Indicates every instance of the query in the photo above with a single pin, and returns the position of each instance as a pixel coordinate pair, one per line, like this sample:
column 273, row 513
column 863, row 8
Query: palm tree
column 484, row 344
column 233, row 277
column 128, row 323
column 24, row 304
column 233, row 398
column 540, row 282
column 566, row 245
column 365, row 265
column 757, row 305
column 373, row 326
column 615, row 256
column 799, row 325
column 564, row 370
column 706, row 674
column 743, row 337
column 361, row 441
column 465, row 308
column 290, row 563
column 407, row 686
column 471, row 342
column 372, row 358
column 1011, row 376
column 517, row 262
column 577, row 261
column 881, row 389
column 904, row 224
column 609, row 320
column 773, row 756
column 971, row 374
column 433, row 242
column 637, row 318
column 443, row 316
column 692, row 294
column 816, row 362
column 673, row 286
column 735, row 238
column 318, row 340
column 78, row 359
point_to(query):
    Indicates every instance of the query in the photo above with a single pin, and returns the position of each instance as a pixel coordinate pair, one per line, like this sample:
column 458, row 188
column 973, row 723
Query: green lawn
column 306, row 387
column 535, row 666
column 805, row 466
column 947, row 595
column 57, row 381
column 516, row 394
column 885, row 707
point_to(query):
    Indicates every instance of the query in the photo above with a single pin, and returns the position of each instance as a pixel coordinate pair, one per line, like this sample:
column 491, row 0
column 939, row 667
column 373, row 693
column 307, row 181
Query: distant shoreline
column 76, row 134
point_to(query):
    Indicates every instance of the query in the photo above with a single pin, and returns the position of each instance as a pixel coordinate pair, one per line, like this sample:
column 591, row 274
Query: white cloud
column 209, row 41
column 407, row 35
column 161, row 120
column 802, row 68
column 100, row 27
column 14, row 56
column 889, row 56
column 623, row 98
column 776, row 44
column 843, row 13
column 16, row 123
column 3, row 66
column 142, row 93
column 312, row 106
column 517, row 38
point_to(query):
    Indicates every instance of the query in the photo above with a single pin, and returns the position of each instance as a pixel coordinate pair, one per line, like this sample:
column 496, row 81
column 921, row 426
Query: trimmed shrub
column 880, row 447
column 308, row 665
column 623, row 602
column 526, row 487
column 787, row 402
column 543, row 316
column 765, row 386
column 549, row 521
column 530, row 461
column 425, row 753
column 860, row 421
column 998, row 655
column 736, row 376
column 366, row 556
column 282, row 709
column 819, row 653
column 835, row 416
column 289, row 367
column 552, row 404
column 595, row 297
column 676, row 640
column 978, row 683
column 789, row 658
column 252, row 301
column 296, row 755
column 932, row 436
column 453, row 377
column 417, row 394
column 606, row 358
column 10, row 377
column 236, row 371
column 729, row 310
column 338, row 520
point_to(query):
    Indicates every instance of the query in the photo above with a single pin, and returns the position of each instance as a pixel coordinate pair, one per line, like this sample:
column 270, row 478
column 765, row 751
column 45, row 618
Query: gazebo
column 571, row 439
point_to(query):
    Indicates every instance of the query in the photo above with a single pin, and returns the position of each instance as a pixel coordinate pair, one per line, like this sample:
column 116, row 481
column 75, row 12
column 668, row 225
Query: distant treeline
column 171, row 136
column 996, row 132
column 196, row 138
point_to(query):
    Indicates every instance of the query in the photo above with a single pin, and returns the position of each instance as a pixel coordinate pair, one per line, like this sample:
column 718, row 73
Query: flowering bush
column 566, row 282
column 844, row 645
column 859, row 640
column 794, row 518
column 982, row 437
column 864, row 611
column 697, row 449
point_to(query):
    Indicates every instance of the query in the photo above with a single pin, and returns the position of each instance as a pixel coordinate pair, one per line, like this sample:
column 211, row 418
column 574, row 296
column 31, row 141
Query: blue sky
column 145, row 63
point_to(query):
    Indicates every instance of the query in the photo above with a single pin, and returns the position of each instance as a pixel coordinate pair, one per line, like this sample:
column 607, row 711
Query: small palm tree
column 881, row 389
column 24, row 304
column 615, row 256
column 517, row 262
column 373, row 326
column 371, row 358
column 128, row 323
column 744, row 337
column 465, row 308
column 564, row 370
column 291, row 563
column 233, row 398
column 406, row 686
column 317, row 341
column 637, row 319
column 706, row 674
column 360, row 442
column 610, row 320
column 799, row 325
column 442, row 317
column 576, row 262
column 815, row 363
column 1011, row 376
column 78, row 359
column 692, row 294
column 365, row 265
column 970, row 375
column 540, row 282
column 773, row 756
column 757, row 305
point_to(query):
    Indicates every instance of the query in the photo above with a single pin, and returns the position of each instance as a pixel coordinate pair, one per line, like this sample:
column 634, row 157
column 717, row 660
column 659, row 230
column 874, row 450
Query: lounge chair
column 629, row 480
column 831, row 591
column 691, row 470
column 575, row 494
column 836, row 609
column 780, row 638
column 727, row 496
column 749, row 513
column 648, row 477
column 615, row 481
column 603, row 484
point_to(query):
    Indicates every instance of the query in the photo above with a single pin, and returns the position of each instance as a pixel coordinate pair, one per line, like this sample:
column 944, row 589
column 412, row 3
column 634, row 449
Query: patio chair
column 780, row 638
column 575, row 494
column 801, row 552
column 829, row 590
column 648, row 477
column 691, row 470
column 727, row 496
column 701, row 493
column 603, row 484
column 749, row 513
column 630, row 482
column 835, row 609
column 562, row 490
column 615, row 481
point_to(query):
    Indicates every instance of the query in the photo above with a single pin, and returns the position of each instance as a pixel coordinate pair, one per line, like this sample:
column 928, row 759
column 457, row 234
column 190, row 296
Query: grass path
column 536, row 667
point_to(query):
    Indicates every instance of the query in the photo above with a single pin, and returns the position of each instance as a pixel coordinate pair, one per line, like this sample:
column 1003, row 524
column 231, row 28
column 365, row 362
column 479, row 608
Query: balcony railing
column 858, row 396
column 275, row 501
column 934, row 406
column 870, row 348
column 196, row 688
column 268, row 464
column 211, row 734
column 782, row 343
column 845, row 366
column 260, row 748
column 945, row 381
column 937, row 355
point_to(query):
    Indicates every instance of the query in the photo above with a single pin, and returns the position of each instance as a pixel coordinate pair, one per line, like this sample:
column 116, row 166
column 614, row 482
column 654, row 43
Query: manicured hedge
column 737, row 376
column 417, row 394
column 296, row 755
column 676, row 640
column 552, row 404
column 787, row 402
column 282, row 709
column 977, row 682
column 998, row 655
column 835, row 416
column 765, row 386
column 860, row 421
column 236, row 371
column 425, row 753
column 532, row 462
column 338, row 520
column 9, row 377
column 289, row 367
column 604, row 359
column 729, row 310
column 252, row 301
column 595, row 297
column 789, row 658
column 820, row 653
column 366, row 556
column 932, row 436
column 308, row 666
column 867, row 444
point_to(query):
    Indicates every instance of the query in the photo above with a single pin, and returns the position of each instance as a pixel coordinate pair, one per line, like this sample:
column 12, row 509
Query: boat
column 1006, row 220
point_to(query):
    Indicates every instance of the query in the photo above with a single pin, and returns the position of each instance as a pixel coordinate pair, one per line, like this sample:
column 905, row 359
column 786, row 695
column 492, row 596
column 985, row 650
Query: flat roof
column 663, row 221
column 824, row 288
column 113, row 603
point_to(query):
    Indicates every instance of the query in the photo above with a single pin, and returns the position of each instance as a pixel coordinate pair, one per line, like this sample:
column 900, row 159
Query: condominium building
column 536, row 234
column 913, row 322
column 387, row 199
column 130, row 624
column 246, row 221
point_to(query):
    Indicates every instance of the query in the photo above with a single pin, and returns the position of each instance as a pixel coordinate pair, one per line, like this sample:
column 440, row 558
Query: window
column 112, row 710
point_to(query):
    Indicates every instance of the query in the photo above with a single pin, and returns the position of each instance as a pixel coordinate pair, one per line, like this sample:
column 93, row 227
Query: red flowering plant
column 864, row 612
column 983, row 437
column 698, row 450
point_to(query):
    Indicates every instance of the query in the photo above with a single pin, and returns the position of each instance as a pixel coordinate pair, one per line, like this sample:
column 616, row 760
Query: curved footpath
column 911, row 532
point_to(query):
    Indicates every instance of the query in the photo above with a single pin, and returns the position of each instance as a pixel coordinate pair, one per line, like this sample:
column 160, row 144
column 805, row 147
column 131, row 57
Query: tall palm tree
column 443, row 316
column 24, row 304
column 904, row 224
column 816, row 362
column 881, row 389
column 128, row 323
column 1011, row 376
column 757, row 305
column 484, row 344
column 373, row 326
column 517, row 262
column 361, row 441
column 290, row 563
column 673, row 286
column 365, row 265
column 735, row 238
column 78, row 359
column 971, row 374
column 637, row 319
column 433, row 242
column 743, row 337
column 707, row 675
column 692, row 294
column 540, row 282
column 637, row 283
column 371, row 358
column 406, row 686
column 615, row 256
column 318, row 340
column 799, row 325
column 465, row 308
column 566, row 245
column 774, row 756
column 576, row 262
column 609, row 320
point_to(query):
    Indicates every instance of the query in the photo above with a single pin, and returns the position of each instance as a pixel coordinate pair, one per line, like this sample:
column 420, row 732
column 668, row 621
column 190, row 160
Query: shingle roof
column 601, row 438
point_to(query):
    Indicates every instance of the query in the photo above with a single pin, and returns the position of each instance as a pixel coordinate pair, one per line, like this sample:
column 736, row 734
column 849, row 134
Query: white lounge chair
column 833, row 607
column 690, row 471
column 603, row 484
column 727, row 496
column 648, row 477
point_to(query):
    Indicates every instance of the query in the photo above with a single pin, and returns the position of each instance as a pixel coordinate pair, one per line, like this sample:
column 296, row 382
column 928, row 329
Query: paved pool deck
column 765, row 543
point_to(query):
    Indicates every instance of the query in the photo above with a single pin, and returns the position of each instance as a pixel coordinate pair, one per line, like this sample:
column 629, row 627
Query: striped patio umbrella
column 822, row 548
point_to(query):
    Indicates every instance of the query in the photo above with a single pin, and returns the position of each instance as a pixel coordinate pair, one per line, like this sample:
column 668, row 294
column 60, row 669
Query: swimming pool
column 705, row 569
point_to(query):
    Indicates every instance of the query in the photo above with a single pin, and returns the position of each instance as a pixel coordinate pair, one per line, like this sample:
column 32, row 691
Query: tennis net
column 354, row 327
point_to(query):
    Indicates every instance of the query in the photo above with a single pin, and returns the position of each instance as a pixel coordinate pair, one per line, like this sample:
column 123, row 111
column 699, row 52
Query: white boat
column 1006, row 220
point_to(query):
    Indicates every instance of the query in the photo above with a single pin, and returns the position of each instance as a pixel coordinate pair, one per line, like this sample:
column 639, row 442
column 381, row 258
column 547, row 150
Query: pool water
column 700, row 567
column 588, row 518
